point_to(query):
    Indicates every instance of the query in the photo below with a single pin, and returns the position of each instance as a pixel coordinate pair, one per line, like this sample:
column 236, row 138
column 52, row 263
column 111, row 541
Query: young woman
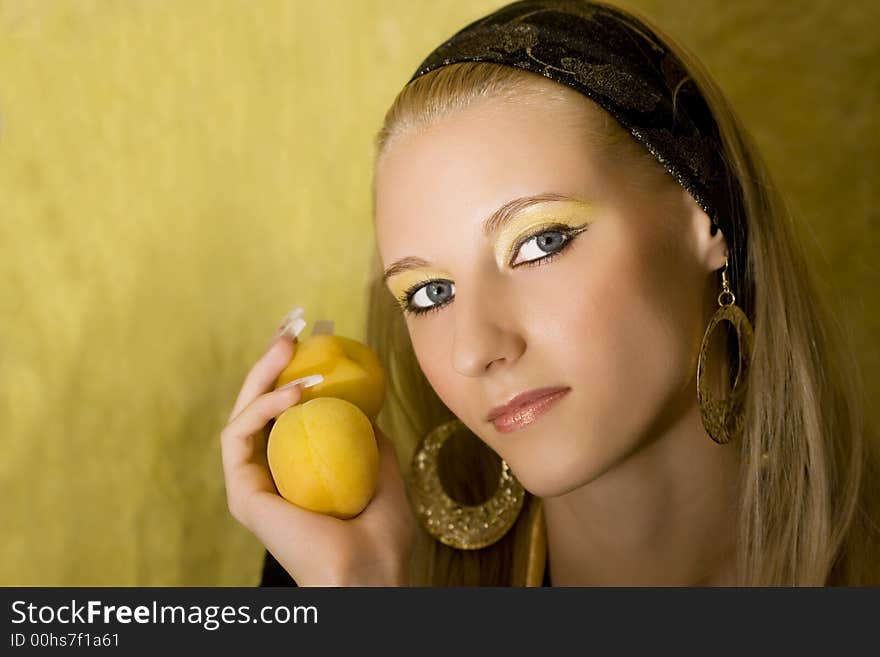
column 605, row 349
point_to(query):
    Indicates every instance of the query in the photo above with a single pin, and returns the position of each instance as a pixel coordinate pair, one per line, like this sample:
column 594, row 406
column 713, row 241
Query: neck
column 665, row 516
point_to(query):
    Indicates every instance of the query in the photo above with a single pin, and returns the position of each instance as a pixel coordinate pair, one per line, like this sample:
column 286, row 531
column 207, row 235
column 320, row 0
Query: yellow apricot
column 323, row 457
column 351, row 371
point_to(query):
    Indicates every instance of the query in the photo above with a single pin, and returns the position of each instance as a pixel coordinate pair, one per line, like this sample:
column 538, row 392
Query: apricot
column 323, row 457
column 322, row 451
column 351, row 371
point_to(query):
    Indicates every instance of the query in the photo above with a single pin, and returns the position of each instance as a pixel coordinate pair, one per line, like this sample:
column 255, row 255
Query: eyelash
column 569, row 233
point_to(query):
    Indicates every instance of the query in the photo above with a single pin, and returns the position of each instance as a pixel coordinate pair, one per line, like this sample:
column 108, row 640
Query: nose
column 485, row 333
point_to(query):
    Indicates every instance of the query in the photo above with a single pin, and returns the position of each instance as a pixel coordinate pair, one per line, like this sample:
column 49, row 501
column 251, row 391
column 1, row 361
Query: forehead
column 466, row 165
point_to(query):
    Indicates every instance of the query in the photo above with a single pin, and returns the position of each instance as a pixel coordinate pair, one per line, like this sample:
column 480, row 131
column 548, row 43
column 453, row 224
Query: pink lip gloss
column 525, row 415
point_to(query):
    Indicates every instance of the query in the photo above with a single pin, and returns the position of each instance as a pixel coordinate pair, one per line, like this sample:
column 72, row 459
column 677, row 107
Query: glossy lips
column 524, row 409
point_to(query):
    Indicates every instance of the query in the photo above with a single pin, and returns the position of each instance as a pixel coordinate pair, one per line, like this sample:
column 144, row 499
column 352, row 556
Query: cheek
column 635, row 339
column 432, row 345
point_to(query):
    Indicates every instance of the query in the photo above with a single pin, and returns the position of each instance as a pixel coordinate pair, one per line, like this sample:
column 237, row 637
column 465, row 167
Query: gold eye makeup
column 565, row 216
column 405, row 285
column 535, row 235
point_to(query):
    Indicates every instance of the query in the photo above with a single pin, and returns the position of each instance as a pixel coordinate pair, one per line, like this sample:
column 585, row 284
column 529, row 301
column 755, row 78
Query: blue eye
column 548, row 244
column 430, row 296
column 542, row 245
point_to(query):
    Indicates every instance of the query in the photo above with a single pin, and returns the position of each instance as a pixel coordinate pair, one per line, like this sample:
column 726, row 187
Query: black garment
column 274, row 574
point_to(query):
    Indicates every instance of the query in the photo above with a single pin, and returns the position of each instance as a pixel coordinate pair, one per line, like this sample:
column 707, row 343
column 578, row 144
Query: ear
column 710, row 250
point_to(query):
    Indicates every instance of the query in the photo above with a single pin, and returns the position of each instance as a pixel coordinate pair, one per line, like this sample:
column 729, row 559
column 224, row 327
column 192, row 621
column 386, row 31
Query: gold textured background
column 174, row 176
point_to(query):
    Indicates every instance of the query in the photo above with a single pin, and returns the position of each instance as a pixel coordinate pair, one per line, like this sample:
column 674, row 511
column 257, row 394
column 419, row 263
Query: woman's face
column 616, row 317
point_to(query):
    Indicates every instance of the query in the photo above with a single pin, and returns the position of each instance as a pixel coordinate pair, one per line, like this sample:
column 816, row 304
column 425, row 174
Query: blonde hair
column 809, row 473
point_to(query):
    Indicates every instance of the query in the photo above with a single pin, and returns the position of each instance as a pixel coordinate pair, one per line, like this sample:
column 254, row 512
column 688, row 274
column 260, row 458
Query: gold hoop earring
column 462, row 526
column 723, row 418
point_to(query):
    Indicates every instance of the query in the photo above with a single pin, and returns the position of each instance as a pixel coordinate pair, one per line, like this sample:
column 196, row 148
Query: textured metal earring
column 462, row 526
column 723, row 416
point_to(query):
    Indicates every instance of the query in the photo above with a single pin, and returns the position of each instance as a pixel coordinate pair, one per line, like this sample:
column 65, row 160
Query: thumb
column 391, row 490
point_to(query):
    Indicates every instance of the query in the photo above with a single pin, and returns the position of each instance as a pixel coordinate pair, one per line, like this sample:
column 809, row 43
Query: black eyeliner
column 569, row 231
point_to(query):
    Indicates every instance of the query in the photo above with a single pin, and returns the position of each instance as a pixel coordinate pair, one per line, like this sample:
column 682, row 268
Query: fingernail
column 292, row 323
column 306, row 381
column 294, row 328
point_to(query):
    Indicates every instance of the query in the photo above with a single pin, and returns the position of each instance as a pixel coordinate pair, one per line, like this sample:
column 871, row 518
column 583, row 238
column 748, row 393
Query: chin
column 552, row 481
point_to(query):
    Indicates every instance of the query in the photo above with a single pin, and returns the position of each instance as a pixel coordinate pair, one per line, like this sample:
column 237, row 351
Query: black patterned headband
column 618, row 62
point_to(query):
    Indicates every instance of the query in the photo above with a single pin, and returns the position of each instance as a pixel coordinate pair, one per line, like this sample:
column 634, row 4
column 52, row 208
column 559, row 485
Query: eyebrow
column 496, row 220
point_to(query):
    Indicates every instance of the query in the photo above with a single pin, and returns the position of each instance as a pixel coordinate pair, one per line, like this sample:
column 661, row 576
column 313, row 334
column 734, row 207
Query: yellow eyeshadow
column 530, row 221
column 402, row 282
column 571, row 213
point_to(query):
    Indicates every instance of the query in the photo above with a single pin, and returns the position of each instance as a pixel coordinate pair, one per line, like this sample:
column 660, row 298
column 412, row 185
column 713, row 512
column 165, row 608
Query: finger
column 237, row 438
column 246, row 479
column 264, row 373
column 386, row 447
column 391, row 490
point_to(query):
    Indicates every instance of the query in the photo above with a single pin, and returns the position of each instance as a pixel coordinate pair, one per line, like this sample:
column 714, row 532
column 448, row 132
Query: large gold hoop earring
column 462, row 526
column 723, row 417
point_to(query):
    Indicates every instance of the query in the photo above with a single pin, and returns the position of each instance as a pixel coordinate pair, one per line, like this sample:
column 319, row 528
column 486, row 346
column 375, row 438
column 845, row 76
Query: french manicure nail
column 295, row 327
column 306, row 381
column 292, row 323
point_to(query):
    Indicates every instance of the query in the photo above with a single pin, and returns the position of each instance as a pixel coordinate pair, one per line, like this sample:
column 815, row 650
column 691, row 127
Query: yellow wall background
column 174, row 176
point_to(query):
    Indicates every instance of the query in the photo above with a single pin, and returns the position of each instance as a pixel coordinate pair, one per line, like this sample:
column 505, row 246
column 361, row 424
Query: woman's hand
column 371, row 549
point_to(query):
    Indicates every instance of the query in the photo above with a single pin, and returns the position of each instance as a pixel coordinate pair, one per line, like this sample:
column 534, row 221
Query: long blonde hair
column 810, row 467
